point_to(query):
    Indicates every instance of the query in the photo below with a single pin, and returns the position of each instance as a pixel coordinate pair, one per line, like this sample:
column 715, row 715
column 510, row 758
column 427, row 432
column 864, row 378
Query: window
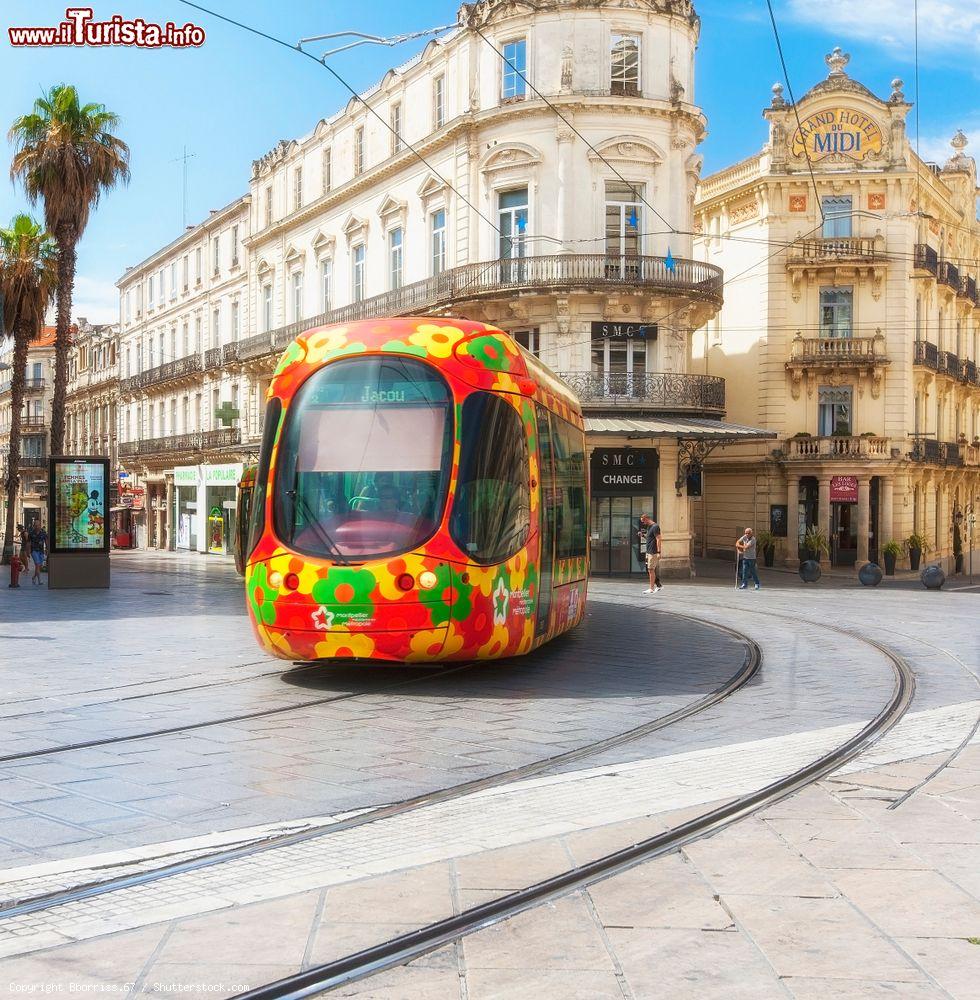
column 491, row 517
column 959, row 339
column 186, row 339
column 173, row 415
column 327, row 168
column 197, row 266
column 185, row 414
column 438, row 102
column 358, row 150
column 216, row 327
column 235, row 321
column 528, row 339
column 918, row 317
column 267, row 307
column 216, row 244
column 296, row 295
column 834, row 413
column 836, row 216
column 513, row 86
column 129, row 364
column 234, row 246
column 160, row 295
column 215, row 406
column 197, row 333
column 357, row 273
column 438, row 223
column 173, row 280
column 139, row 300
column 149, row 291
column 185, row 273
column 380, row 487
column 625, row 66
column 326, row 284
column 836, row 306
column 396, row 128
column 268, row 205
column 395, row 258
column 622, row 363
column 297, row 188
column 512, row 223
column 624, row 227
column 568, row 449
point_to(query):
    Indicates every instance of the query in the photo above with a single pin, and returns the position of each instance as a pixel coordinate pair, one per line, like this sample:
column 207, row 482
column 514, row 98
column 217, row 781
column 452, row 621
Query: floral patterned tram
column 420, row 495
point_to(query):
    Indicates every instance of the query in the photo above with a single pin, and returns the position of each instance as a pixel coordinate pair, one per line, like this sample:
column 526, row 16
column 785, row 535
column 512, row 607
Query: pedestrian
column 650, row 535
column 39, row 549
column 25, row 548
column 746, row 547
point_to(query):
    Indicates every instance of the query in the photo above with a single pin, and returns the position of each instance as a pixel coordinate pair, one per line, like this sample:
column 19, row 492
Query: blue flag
column 669, row 261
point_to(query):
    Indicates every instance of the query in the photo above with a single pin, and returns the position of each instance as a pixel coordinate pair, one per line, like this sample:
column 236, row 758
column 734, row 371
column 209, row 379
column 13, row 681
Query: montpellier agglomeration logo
column 80, row 28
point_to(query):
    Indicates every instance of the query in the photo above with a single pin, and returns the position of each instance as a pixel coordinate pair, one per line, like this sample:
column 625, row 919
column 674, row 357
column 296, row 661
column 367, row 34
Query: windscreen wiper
column 318, row 527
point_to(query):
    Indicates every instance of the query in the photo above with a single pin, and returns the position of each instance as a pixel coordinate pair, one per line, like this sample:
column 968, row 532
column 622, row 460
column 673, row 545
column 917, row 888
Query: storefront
column 204, row 507
column 624, row 486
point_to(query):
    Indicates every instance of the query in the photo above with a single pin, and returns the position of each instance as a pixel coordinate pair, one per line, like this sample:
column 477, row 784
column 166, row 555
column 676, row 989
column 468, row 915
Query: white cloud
column 935, row 146
column 97, row 301
column 943, row 25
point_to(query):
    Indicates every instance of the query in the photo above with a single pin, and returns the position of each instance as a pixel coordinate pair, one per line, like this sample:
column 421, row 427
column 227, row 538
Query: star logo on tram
column 322, row 618
column 501, row 596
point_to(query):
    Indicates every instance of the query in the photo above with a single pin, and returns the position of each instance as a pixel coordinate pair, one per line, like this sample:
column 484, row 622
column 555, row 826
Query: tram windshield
column 364, row 463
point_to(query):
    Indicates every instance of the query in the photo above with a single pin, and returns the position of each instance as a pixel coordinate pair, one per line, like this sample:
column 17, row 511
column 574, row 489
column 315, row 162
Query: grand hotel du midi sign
column 837, row 131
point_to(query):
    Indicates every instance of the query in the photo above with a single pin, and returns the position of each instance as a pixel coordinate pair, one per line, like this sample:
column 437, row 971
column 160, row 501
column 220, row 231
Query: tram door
column 548, row 511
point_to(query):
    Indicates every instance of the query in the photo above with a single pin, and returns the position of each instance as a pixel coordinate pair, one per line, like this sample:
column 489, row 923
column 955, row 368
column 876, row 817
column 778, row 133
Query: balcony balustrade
column 195, row 441
column 836, row 249
column 34, row 460
column 162, row 373
column 968, row 289
column 949, row 274
column 666, row 392
column 255, row 347
column 926, row 259
column 949, row 363
column 823, row 350
column 34, row 384
column 33, row 420
column 926, row 354
column 928, row 450
column 969, row 373
column 864, row 447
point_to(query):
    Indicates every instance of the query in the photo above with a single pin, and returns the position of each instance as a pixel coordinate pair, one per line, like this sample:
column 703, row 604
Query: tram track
column 407, row 947
column 748, row 669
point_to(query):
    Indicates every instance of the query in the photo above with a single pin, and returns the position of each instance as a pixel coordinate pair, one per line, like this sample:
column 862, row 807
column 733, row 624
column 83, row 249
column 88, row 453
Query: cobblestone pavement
column 827, row 894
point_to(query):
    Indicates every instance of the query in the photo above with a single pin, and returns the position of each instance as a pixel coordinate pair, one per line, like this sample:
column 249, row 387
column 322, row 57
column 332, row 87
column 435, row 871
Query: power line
column 796, row 110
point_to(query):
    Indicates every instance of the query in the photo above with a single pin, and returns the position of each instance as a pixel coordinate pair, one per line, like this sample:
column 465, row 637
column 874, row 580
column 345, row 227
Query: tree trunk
column 67, row 259
column 18, row 380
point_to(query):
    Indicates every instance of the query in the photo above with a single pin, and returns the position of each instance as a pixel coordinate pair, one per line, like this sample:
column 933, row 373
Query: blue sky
column 231, row 100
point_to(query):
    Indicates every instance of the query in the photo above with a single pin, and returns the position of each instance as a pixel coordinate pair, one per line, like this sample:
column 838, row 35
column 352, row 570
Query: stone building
column 35, row 426
column 549, row 191
column 853, row 333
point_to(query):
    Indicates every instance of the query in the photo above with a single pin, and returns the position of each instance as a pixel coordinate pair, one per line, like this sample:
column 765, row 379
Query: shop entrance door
column 843, row 534
column 615, row 523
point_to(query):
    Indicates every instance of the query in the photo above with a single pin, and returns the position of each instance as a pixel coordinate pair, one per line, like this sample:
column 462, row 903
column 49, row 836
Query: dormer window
column 625, row 66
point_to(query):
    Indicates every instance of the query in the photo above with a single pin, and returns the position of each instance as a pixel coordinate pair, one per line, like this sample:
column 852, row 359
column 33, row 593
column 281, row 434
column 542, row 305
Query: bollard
column 933, row 577
column 14, row 570
column 810, row 571
column 870, row 574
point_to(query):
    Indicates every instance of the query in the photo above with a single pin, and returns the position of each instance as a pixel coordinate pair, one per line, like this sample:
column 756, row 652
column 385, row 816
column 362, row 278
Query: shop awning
column 687, row 428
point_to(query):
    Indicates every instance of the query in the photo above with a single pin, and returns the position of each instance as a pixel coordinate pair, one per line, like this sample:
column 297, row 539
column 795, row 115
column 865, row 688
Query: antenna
column 183, row 196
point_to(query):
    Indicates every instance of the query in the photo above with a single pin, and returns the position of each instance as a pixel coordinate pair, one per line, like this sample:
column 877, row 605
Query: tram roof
column 692, row 428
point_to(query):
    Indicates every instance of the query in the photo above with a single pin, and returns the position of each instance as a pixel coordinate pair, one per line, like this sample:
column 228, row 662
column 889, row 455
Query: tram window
column 257, row 518
column 364, row 463
column 491, row 517
column 569, row 456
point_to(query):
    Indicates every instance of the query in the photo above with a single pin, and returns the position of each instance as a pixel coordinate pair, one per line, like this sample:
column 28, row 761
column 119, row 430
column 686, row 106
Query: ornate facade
column 855, row 333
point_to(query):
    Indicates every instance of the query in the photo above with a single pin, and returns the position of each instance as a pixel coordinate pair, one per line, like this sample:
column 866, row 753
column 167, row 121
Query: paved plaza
column 143, row 729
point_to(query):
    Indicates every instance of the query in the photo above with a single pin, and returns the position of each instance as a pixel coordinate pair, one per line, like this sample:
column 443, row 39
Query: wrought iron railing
column 847, row 446
column 969, row 372
column 926, row 354
column 834, row 248
column 928, row 450
column 195, row 441
column 820, row 349
column 949, row 363
column 33, row 384
column 949, row 274
column 926, row 259
column 952, row 453
column 34, row 460
column 255, row 347
column 968, row 289
column 33, row 420
column 666, row 391
column 162, row 373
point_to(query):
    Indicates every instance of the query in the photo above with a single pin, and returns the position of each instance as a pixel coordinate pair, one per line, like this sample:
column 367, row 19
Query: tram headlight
column 275, row 579
column 428, row 580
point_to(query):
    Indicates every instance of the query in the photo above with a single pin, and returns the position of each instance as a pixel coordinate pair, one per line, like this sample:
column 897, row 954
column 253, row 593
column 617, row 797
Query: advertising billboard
column 77, row 505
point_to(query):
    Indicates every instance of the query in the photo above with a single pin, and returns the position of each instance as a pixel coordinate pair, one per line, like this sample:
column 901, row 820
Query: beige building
column 855, row 337
column 35, row 426
column 555, row 200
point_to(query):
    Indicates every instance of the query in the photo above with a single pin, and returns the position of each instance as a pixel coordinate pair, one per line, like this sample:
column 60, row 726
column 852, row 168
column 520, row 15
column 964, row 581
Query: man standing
column 746, row 546
column 39, row 548
column 651, row 531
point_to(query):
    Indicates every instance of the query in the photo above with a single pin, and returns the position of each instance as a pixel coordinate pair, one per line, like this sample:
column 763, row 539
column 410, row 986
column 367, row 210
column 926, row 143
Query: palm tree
column 28, row 279
column 66, row 154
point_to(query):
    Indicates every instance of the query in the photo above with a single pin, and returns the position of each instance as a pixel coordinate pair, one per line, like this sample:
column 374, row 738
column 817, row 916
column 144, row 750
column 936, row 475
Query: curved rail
column 748, row 669
column 406, row 947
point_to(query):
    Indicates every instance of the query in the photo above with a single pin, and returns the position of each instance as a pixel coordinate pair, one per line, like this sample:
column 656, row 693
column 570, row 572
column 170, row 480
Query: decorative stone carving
column 797, row 202
column 275, row 155
column 876, row 202
column 566, row 68
column 897, row 97
column 743, row 211
column 626, row 148
column 563, row 315
column 837, row 60
column 778, row 101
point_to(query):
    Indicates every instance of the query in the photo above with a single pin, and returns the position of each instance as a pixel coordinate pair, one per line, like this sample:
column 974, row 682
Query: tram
column 420, row 496
column 243, row 507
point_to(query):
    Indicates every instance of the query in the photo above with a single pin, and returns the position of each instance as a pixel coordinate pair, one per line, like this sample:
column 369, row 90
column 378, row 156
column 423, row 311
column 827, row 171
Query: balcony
column 928, row 450
column 863, row 356
column 949, row 363
column 949, row 275
column 926, row 259
column 34, row 460
column 926, row 355
column 663, row 392
column 690, row 279
column 216, row 357
column 33, row 420
column 969, row 373
column 968, row 290
column 255, row 347
column 850, row 448
column 196, row 441
column 180, row 368
column 837, row 249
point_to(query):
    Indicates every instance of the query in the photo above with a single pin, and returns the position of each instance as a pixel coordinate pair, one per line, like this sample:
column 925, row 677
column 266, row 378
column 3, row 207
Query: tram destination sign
column 625, row 470
column 624, row 331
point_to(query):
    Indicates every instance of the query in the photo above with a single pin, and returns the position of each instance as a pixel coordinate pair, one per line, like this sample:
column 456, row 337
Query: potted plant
column 917, row 546
column 891, row 551
column 802, row 434
column 814, row 543
column 767, row 542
